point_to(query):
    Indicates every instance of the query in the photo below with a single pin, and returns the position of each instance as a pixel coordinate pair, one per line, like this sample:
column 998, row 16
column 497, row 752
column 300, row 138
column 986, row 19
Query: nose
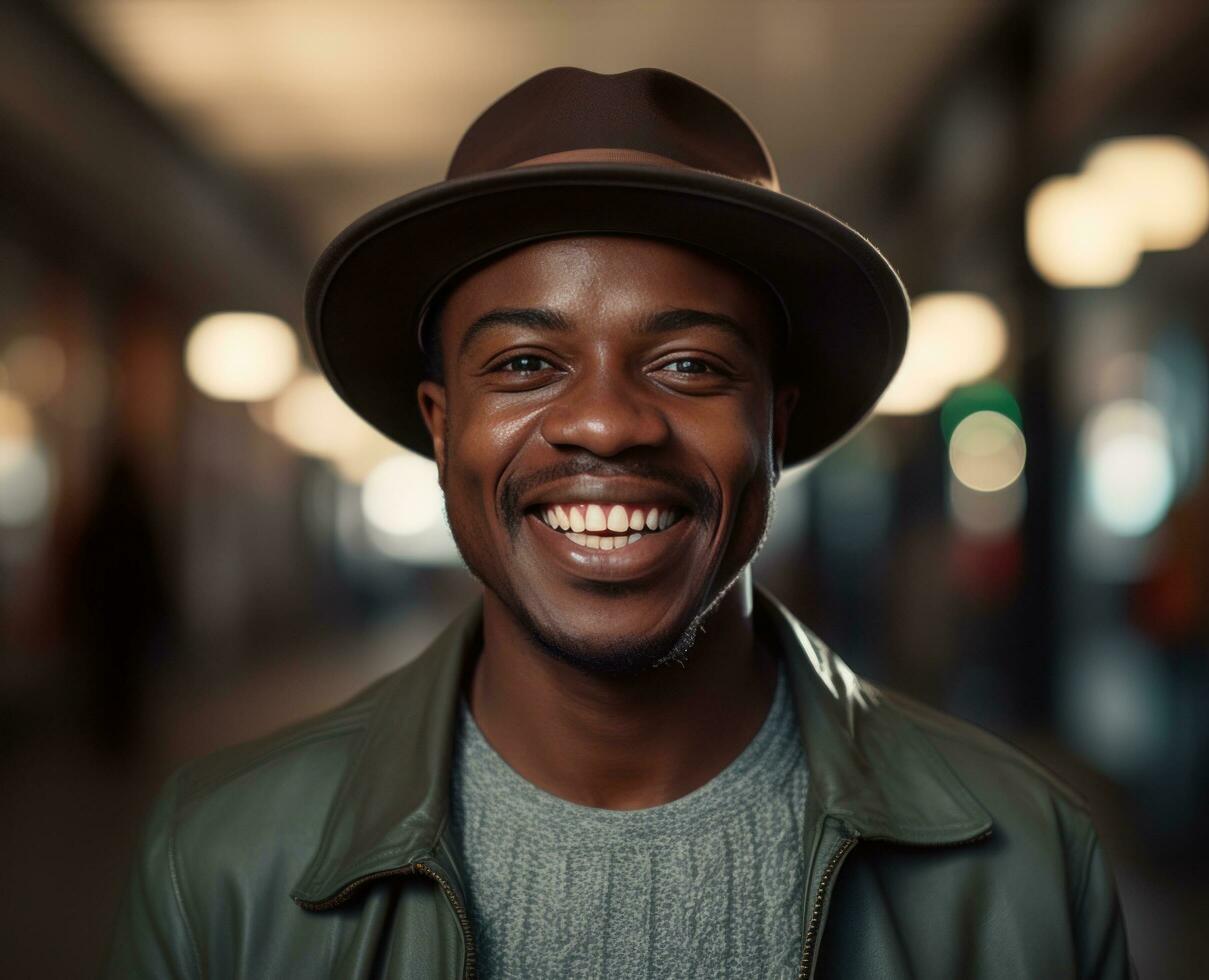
column 605, row 413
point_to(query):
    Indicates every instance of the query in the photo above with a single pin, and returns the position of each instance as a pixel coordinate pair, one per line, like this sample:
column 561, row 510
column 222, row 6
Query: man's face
column 608, row 436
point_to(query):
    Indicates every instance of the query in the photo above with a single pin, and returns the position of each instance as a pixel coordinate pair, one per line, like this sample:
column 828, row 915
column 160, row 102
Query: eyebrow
column 665, row 321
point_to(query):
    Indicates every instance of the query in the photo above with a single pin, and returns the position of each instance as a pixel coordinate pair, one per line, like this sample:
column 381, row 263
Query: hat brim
column 848, row 312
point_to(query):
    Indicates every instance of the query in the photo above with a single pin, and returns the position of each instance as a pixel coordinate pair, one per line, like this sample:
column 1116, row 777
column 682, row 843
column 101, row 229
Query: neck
column 623, row 743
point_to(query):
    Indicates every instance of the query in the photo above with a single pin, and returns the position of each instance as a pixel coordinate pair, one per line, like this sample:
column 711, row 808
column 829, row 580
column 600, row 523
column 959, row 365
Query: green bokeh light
column 987, row 396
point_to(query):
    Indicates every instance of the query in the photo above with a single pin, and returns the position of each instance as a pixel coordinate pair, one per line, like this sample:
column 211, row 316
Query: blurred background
column 198, row 543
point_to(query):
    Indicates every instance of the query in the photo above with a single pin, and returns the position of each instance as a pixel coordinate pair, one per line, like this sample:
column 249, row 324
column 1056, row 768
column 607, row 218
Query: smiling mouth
column 607, row 527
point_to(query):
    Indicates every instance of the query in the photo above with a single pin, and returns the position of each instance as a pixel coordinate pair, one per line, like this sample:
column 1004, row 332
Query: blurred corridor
column 199, row 542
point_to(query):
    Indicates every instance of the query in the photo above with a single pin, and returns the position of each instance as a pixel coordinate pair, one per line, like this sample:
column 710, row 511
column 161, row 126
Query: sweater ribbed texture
column 709, row 885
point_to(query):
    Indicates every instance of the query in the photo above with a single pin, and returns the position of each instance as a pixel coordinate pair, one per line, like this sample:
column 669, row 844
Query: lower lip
column 643, row 557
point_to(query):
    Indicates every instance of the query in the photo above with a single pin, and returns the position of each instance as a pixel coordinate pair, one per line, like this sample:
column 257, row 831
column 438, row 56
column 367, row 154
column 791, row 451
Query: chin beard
column 616, row 658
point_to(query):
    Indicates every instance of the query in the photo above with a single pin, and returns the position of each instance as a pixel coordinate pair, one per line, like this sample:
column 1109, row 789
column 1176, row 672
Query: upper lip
column 607, row 490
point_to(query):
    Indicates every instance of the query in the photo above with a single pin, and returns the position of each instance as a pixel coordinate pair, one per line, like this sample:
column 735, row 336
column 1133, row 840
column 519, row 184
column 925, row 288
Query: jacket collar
column 870, row 766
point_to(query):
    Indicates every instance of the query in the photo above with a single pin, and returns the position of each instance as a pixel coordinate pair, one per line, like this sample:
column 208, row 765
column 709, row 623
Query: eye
column 687, row 365
column 524, row 364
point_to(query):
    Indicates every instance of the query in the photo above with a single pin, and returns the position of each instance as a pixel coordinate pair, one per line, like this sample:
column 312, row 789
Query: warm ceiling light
column 401, row 495
column 241, row 356
column 987, row 451
column 1077, row 234
column 313, row 419
column 1160, row 182
column 966, row 332
column 955, row 338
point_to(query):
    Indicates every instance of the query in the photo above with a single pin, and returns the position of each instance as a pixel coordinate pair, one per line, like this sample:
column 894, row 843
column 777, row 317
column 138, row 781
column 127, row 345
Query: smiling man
column 612, row 331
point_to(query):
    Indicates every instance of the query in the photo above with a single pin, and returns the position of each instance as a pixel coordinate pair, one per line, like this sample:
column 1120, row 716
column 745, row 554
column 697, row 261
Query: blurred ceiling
column 338, row 106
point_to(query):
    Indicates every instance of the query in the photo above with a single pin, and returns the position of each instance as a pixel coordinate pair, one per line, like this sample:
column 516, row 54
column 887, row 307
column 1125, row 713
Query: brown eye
column 525, row 364
column 687, row 365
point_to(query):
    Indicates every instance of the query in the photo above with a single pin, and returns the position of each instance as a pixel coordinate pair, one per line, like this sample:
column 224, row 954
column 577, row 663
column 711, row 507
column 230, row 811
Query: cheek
column 743, row 467
column 482, row 443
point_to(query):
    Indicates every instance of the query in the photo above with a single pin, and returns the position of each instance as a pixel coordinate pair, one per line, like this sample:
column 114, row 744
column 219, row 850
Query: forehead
column 608, row 277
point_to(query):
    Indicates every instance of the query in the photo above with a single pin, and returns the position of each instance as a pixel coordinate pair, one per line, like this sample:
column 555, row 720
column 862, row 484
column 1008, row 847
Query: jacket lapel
column 870, row 767
column 391, row 807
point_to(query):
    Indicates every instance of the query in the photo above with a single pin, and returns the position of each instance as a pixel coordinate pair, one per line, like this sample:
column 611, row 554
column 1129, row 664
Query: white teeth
column 618, row 518
column 619, row 543
column 606, row 544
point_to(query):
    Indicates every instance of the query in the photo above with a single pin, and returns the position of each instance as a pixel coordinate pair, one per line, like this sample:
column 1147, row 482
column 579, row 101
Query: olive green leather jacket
column 933, row 850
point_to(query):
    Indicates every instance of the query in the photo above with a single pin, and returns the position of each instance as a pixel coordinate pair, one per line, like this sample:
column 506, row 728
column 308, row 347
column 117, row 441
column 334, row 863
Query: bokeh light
column 987, row 451
column 310, row 417
column 36, row 367
column 1160, row 182
column 401, row 495
column 404, row 511
column 1129, row 471
column 241, row 356
column 1077, row 235
column 955, row 338
column 24, row 469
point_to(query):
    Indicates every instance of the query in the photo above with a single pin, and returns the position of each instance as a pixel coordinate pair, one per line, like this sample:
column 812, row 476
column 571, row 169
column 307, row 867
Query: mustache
column 705, row 499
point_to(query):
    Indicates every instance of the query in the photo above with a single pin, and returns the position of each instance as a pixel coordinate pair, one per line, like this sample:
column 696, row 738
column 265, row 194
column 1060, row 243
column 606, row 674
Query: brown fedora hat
column 643, row 152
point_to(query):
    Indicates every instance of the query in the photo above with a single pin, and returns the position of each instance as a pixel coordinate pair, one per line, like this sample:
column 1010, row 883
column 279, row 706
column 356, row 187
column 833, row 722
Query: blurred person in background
column 625, row 761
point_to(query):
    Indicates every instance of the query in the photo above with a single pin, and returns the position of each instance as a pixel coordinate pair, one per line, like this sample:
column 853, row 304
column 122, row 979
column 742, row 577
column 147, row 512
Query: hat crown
column 658, row 114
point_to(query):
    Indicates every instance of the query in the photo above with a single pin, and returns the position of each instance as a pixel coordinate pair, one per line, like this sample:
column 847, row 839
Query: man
column 624, row 762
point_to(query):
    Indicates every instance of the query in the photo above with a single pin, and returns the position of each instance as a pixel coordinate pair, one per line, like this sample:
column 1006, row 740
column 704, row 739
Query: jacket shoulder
column 1035, row 814
column 1042, row 830
column 263, row 759
column 977, row 754
column 245, row 820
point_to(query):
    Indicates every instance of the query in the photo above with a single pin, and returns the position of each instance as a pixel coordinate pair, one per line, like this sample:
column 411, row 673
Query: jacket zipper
column 810, row 943
column 343, row 895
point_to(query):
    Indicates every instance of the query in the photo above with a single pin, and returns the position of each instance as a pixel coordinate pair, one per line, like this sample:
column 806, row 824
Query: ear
column 431, row 396
column 785, row 398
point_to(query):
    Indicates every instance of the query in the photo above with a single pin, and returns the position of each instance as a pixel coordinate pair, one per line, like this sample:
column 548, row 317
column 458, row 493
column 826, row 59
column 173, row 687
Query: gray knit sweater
column 709, row 885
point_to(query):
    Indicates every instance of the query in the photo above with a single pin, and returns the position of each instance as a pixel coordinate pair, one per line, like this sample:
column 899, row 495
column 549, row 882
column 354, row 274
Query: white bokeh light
column 1160, row 182
column 401, row 495
column 310, row 417
column 955, row 338
column 1129, row 472
column 241, row 356
column 25, row 478
column 1078, row 235
column 987, row 451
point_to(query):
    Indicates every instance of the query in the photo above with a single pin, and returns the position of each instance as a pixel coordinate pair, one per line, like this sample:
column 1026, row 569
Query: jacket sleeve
column 1099, row 924
column 152, row 936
